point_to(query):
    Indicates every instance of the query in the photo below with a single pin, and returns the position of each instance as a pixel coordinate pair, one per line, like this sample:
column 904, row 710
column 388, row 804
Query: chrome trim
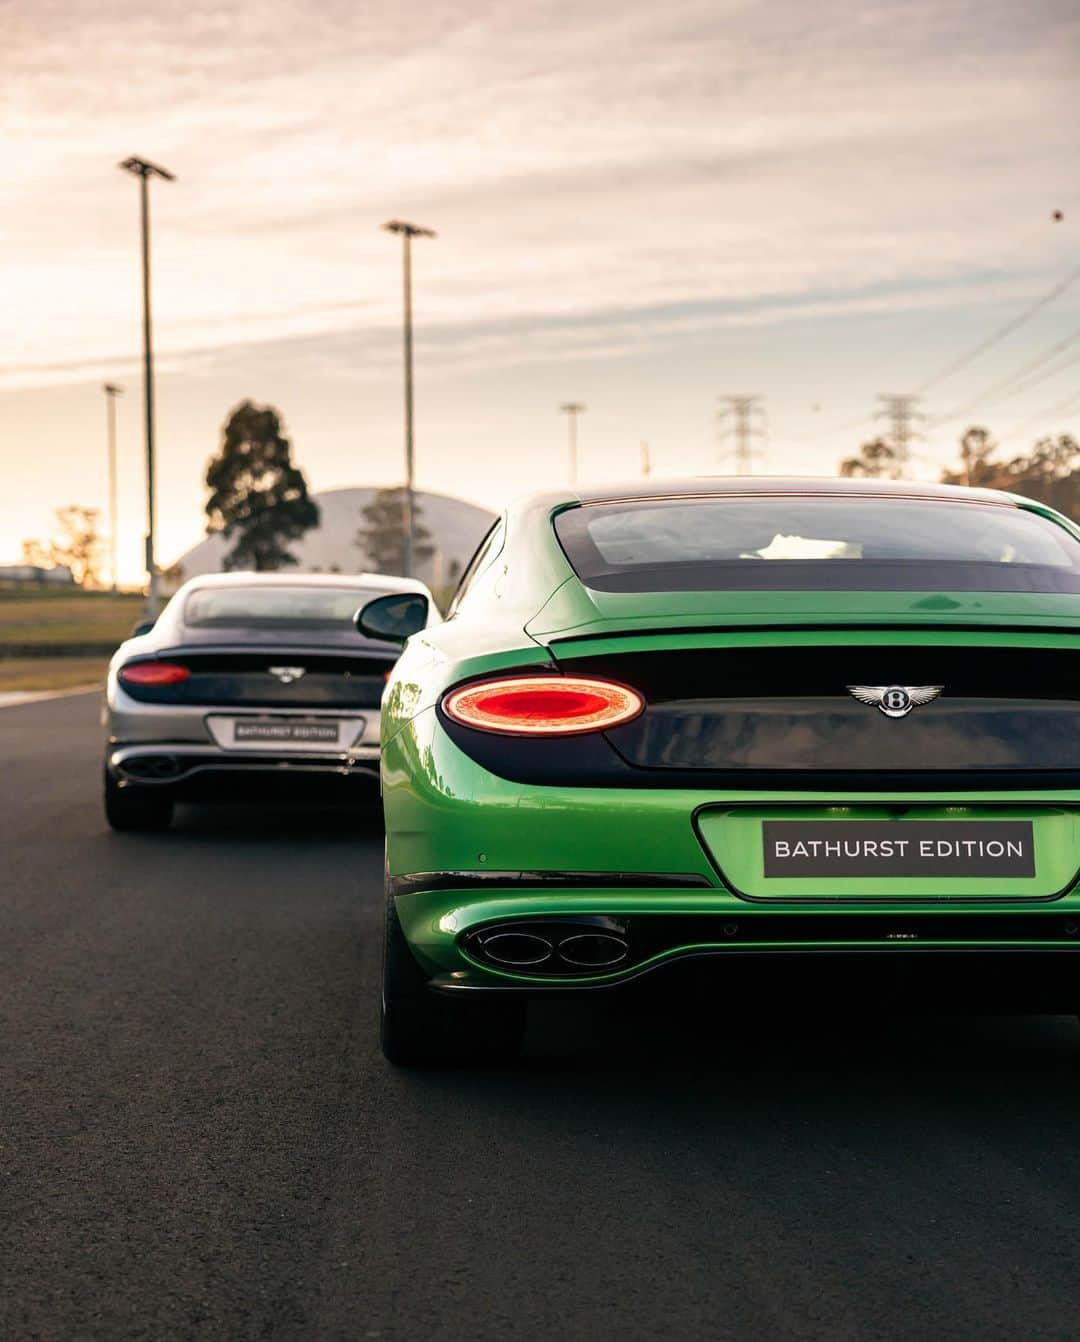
column 797, row 494
column 538, row 956
column 622, row 950
column 210, row 759
column 416, row 882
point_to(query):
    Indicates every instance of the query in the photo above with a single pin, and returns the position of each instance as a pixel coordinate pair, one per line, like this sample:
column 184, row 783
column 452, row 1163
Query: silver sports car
column 251, row 685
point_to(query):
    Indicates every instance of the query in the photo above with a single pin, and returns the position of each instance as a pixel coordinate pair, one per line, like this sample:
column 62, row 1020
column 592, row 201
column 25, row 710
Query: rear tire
column 421, row 1028
column 130, row 809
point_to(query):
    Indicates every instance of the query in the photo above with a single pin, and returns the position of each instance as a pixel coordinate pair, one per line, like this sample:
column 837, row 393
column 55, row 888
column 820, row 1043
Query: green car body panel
column 468, row 848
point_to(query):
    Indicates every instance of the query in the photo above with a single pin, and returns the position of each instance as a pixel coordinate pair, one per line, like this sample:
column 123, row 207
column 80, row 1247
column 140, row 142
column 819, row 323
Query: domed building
column 456, row 529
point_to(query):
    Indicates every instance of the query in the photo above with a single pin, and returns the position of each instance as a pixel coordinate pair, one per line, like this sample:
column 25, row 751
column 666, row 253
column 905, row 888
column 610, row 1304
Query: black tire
column 131, row 809
column 420, row 1028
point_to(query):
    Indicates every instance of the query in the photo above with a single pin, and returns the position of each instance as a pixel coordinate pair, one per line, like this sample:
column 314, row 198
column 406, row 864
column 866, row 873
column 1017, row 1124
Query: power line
column 1015, row 383
column 1065, row 407
column 1036, row 305
column 741, row 410
column 1044, row 300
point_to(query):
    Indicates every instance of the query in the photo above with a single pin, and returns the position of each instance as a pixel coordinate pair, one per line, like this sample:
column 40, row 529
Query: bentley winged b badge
column 895, row 701
column 287, row 674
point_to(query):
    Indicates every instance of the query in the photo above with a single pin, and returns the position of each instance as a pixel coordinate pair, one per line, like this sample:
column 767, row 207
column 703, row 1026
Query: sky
column 642, row 208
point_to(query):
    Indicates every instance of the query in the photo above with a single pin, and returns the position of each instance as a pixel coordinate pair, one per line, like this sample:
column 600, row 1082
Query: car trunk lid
column 278, row 676
column 576, row 612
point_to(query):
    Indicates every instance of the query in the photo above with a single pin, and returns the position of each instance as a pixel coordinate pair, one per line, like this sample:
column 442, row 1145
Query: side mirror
column 142, row 628
column 394, row 618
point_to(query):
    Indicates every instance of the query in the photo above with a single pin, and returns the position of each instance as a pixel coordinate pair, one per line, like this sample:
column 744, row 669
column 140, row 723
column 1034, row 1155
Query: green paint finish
column 599, row 645
column 577, row 612
column 526, row 610
column 446, row 813
column 434, row 921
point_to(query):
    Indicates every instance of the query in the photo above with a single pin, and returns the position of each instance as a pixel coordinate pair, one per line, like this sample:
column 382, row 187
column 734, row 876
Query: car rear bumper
column 470, row 853
column 188, row 772
column 573, row 939
column 854, row 984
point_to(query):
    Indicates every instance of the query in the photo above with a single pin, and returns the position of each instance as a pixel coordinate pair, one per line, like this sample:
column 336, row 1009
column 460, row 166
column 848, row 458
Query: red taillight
column 153, row 673
column 543, row 705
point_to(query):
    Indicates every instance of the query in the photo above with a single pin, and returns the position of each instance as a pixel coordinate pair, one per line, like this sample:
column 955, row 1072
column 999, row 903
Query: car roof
column 711, row 486
column 384, row 582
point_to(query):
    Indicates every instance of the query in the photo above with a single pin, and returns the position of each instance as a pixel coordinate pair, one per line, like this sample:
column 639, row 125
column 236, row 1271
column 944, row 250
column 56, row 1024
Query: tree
column 80, row 544
column 36, row 555
column 381, row 534
column 977, row 467
column 77, row 547
column 257, row 494
column 1049, row 473
column 876, row 460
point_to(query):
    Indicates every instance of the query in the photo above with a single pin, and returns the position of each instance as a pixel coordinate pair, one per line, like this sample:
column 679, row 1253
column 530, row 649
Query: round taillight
column 543, row 705
column 153, row 673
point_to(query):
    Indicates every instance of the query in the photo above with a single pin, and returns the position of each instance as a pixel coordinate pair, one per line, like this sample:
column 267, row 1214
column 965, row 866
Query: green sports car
column 669, row 726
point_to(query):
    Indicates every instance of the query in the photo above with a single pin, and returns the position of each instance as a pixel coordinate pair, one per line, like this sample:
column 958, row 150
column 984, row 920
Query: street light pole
column 140, row 168
column 571, row 410
column 408, row 232
column 112, row 391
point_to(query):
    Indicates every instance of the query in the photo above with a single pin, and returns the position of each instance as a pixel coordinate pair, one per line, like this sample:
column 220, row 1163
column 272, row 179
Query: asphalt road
column 198, row 1137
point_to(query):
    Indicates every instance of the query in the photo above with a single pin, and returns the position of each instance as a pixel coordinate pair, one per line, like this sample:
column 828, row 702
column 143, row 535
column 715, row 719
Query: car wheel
column 421, row 1028
column 128, row 809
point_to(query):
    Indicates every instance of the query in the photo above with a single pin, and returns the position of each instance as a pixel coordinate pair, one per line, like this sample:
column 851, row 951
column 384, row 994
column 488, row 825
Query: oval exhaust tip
column 517, row 949
column 593, row 950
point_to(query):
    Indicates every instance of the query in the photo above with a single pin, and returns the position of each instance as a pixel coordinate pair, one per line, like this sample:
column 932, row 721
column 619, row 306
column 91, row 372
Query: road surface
column 198, row 1137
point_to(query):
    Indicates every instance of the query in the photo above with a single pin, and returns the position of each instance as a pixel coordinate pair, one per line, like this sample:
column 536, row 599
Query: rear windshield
column 278, row 606
column 837, row 542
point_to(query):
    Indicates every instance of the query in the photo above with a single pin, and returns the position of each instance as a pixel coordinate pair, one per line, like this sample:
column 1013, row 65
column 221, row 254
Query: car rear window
column 817, row 542
column 277, row 606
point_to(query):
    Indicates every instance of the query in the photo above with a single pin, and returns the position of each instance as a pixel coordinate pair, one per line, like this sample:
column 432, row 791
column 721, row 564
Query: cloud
column 597, row 164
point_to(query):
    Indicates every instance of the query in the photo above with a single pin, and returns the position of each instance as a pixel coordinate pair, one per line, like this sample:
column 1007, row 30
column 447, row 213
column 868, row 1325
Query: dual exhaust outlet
column 538, row 949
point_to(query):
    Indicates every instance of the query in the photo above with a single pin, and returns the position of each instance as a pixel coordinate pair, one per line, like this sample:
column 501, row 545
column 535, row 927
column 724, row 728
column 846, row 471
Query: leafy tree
column 876, row 460
column 977, row 466
column 381, row 535
column 35, row 554
column 78, row 546
column 1049, row 473
column 257, row 494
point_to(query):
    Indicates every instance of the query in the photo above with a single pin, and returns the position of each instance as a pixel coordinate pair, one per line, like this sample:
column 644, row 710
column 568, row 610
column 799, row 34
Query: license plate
column 313, row 733
column 285, row 733
column 899, row 848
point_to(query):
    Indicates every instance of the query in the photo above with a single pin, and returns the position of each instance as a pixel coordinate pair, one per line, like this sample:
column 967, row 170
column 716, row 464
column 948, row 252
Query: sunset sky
column 641, row 207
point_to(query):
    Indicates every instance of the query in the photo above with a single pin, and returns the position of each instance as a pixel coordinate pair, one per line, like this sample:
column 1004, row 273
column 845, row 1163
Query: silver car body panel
column 160, row 744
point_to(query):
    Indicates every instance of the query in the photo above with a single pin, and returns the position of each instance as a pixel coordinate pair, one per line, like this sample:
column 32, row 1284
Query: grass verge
column 33, row 616
column 51, row 673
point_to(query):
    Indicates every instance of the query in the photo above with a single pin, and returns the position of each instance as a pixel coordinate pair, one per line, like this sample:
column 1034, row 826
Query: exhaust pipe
column 564, row 947
column 517, row 949
column 151, row 768
column 593, row 950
